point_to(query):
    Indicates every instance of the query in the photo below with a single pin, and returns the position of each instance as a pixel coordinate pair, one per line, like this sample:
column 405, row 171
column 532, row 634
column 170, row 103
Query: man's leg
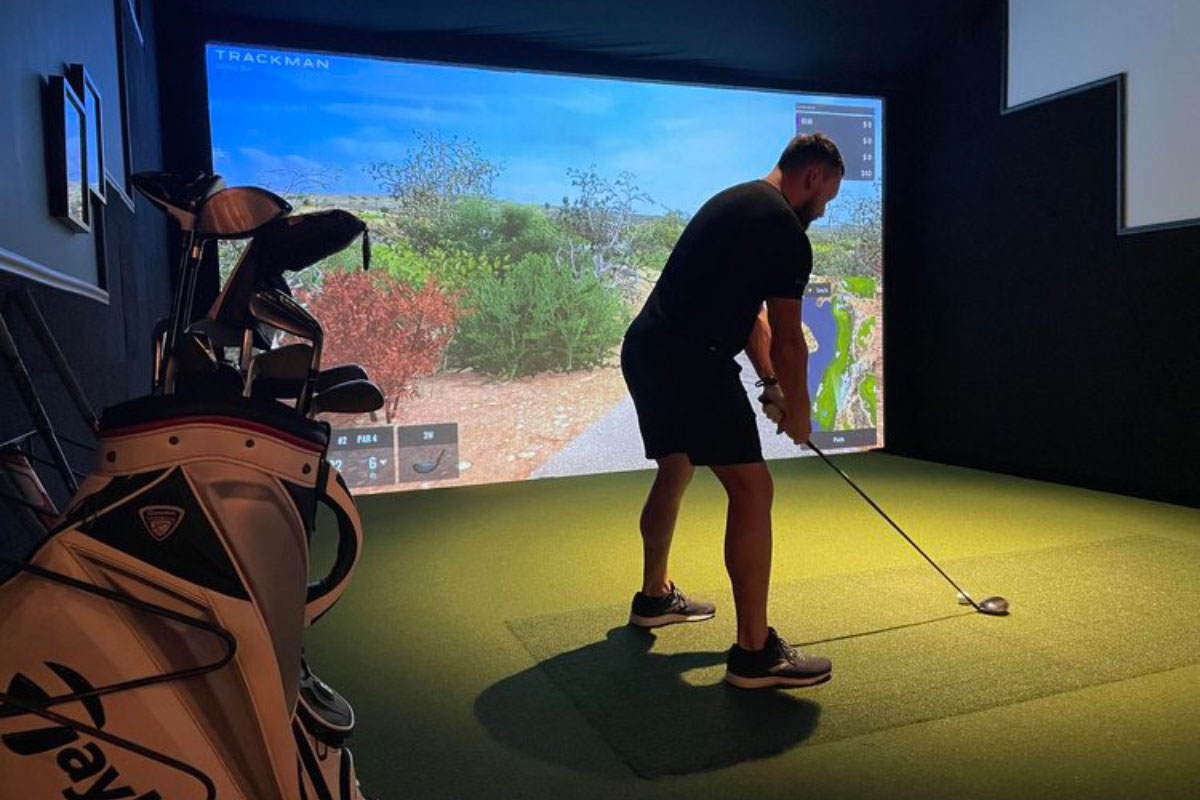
column 658, row 521
column 748, row 546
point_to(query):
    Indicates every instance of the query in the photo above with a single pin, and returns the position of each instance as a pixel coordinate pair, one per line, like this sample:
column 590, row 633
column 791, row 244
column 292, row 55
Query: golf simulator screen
column 518, row 221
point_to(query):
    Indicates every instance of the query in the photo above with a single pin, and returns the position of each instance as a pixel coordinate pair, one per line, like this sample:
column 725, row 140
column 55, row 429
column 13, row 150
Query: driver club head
column 995, row 606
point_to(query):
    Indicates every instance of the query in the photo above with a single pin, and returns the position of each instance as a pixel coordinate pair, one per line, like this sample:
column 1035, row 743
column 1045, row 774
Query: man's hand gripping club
column 776, row 346
column 797, row 425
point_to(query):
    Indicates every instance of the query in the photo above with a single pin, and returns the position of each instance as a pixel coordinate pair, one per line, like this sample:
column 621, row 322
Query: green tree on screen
column 428, row 183
column 499, row 230
column 855, row 246
column 601, row 219
column 654, row 239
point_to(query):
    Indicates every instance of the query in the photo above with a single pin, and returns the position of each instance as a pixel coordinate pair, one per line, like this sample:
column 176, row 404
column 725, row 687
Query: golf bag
column 152, row 642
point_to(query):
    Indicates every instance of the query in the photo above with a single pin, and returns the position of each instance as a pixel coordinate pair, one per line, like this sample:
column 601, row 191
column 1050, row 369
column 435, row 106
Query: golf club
column 179, row 198
column 283, row 377
column 352, row 397
column 282, row 312
column 426, row 467
column 993, row 606
column 206, row 210
column 289, row 362
column 288, row 244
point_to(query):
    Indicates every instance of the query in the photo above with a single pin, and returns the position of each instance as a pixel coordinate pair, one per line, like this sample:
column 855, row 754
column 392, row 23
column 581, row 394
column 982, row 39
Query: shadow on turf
column 889, row 629
column 640, row 703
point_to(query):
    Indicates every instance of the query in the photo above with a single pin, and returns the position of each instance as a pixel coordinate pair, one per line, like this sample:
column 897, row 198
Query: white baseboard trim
column 23, row 267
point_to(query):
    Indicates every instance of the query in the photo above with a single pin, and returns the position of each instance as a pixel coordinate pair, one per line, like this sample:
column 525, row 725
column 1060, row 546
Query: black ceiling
column 868, row 43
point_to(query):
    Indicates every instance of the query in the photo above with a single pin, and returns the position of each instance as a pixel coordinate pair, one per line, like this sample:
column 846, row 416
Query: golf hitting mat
column 903, row 652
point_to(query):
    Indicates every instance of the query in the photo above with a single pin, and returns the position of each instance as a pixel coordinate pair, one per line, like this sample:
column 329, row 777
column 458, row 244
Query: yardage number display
column 852, row 129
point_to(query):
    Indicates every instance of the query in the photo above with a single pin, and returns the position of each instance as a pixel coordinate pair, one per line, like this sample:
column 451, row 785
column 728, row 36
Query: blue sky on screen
column 275, row 109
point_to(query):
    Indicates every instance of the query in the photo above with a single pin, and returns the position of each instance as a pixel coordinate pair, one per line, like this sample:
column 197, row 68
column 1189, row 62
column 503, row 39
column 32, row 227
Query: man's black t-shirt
column 743, row 246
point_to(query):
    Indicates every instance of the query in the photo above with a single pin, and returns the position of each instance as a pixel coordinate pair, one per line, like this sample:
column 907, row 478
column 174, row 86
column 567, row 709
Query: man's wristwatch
column 767, row 380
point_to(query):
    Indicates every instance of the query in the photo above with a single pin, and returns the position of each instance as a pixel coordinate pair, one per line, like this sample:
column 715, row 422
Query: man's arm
column 789, row 356
column 758, row 346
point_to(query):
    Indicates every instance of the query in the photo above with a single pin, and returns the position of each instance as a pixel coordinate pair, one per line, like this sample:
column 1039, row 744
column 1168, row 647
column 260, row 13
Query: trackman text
column 270, row 59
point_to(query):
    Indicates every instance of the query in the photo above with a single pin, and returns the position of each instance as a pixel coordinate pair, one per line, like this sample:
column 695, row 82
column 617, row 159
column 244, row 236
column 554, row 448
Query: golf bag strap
column 322, row 594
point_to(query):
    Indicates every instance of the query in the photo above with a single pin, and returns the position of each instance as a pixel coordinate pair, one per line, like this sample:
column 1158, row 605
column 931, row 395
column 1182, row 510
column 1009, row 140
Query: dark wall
column 107, row 344
column 1024, row 335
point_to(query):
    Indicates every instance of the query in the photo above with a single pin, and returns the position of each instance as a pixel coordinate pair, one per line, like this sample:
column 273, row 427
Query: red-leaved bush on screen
column 396, row 332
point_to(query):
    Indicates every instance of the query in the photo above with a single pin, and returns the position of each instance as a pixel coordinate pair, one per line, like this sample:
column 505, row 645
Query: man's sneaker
column 675, row 606
column 777, row 664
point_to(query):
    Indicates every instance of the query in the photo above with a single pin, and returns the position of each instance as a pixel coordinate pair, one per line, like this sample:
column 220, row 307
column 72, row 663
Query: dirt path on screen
column 508, row 429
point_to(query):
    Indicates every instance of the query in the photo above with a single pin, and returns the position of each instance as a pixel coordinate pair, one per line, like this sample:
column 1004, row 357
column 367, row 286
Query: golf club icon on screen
column 426, row 467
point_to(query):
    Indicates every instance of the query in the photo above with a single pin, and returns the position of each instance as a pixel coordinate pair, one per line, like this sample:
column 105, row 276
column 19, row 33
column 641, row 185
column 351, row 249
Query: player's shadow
column 641, row 705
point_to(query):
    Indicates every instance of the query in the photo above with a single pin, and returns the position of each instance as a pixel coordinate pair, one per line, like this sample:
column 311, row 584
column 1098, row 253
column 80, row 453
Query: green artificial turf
column 445, row 642
column 1083, row 615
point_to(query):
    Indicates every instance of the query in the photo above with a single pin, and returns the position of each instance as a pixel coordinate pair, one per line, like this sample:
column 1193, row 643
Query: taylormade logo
column 161, row 521
column 86, row 767
column 230, row 56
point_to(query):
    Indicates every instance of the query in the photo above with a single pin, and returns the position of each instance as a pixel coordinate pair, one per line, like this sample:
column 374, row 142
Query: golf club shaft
column 190, row 299
column 907, row 538
column 189, row 239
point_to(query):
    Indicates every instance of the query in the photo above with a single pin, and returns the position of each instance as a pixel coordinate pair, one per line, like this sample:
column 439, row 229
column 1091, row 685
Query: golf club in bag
column 161, row 620
column 206, row 210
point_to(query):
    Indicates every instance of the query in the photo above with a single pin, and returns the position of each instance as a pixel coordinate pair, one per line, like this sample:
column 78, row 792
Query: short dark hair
column 811, row 148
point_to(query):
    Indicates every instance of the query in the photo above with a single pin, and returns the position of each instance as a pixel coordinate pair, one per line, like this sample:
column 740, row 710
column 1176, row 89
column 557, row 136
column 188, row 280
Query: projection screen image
column 518, row 221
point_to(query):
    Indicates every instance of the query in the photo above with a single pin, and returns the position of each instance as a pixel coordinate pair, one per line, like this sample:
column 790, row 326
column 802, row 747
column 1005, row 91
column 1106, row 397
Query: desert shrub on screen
column 454, row 270
column 538, row 317
column 499, row 231
column 429, row 180
column 397, row 332
column 655, row 238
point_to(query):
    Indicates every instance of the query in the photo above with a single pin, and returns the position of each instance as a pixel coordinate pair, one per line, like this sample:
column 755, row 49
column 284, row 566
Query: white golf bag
column 150, row 648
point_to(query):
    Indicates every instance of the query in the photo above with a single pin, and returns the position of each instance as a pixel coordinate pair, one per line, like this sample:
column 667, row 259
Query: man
column 745, row 247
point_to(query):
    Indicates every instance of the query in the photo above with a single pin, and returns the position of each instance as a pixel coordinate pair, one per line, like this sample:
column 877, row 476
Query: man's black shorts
column 689, row 400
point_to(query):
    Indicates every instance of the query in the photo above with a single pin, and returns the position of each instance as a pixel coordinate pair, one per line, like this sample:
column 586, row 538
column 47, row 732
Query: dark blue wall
column 1024, row 335
column 107, row 343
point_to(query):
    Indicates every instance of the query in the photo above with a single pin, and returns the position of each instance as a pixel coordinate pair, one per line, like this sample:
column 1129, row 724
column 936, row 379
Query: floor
column 484, row 628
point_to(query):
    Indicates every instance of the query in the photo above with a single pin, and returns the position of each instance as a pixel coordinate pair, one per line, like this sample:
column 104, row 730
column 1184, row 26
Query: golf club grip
column 883, row 514
column 322, row 594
